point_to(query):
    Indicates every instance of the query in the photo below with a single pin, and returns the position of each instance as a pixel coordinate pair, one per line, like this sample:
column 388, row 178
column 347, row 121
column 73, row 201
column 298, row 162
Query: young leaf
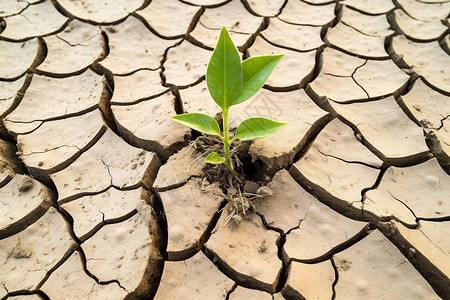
column 256, row 70
column 256, row 128
column 224, row 72
column 199, row 122
column 214, row 158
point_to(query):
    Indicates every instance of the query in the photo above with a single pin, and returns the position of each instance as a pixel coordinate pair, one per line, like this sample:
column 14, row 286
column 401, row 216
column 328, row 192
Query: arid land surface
column 102, row 196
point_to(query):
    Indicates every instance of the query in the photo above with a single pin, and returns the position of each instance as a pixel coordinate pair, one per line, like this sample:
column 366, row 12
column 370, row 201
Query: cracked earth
column 103, row 197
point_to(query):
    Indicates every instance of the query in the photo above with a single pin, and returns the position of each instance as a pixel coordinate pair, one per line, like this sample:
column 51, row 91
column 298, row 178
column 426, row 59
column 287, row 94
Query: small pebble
column 25, row 184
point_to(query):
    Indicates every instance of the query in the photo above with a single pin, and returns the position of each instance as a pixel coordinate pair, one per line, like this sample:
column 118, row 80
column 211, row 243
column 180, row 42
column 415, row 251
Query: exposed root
column 240, row 193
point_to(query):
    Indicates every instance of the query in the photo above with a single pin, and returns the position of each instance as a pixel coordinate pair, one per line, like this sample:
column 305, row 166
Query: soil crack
column 231, row 291
column 336, row 249
column 281, row 241
column 437, row 246
column 57, row 118
column 354, row 79
column 346, row 161
column 79, row 43
column 404, row 204
column 88, row 273
column 66, row 256
column 105, row 222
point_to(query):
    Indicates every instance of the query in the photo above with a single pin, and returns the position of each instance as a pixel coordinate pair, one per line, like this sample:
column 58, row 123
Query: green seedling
column 232, row 81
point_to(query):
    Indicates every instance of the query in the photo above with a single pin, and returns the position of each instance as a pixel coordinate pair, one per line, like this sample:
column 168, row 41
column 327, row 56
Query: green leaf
column 214, row 158
column 256, row 70
column 224, row 72
column 257, row 128
column 199, row 122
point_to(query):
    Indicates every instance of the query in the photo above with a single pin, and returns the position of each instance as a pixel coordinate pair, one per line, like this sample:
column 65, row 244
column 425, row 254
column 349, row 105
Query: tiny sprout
column 232, row 81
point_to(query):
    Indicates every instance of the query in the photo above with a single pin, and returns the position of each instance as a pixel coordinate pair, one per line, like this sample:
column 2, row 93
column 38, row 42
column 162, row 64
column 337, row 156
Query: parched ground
column 103, row 197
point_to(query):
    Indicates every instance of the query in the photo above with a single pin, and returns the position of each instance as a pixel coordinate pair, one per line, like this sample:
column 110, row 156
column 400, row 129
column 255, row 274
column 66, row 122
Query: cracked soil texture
column 102, row 196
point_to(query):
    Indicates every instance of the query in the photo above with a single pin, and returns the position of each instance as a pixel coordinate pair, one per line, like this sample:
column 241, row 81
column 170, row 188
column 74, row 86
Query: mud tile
column 295, row 108
column 70, row 281
column 59, row 97
column 189, row 210
column 338, row 140
column 186, row 64
column 157, row 131
column 294, row 69
column 311, row 281
column 197, row 99
column 179, row 168
column 266, row 8
column 425, row 11
column 299, row 12
column 133, row 47
column 353, row 41
column 373, row 7
column 426, row 59
column 342, row 180
column 110, row 161
column 8, row 92
column 89, row 211
column 101, row 11
column 56, row 142
column 208, row 36
column 431, row 240
column 16, row 58
column 234, row 16
column 399, row 138
column 321, row 230
column 364, row 268
column 428, row 106
column 367, row 24
column 23, row 198
column 247, row 251
column 181, row 15
column 37, row 20
column 288, row 205
column 380, row 78
column 80, row 33
column 137, row 86
column 121, row 251
column 420, row 30
column 302, row 38
column 27, row 256
column 11, row 7
column 406, row 193
column 243, row 293
column 338, row 63
column 198, row 275
column 338, row 163
column 73, row 49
